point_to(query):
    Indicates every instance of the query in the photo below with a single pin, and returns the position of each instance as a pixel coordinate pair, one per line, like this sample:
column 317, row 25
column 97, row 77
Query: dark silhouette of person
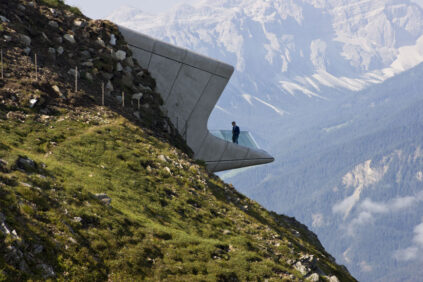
column 235, row 133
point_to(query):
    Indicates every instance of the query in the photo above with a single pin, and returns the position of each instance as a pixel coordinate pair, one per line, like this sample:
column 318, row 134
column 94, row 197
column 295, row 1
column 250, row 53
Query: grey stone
column 112, row 40
column 26, row 164
column 103, row 198
column 33, row 102
column 77, row 219
column 137, row 114
column 130, row 62
column 314, row 277
column 120, row 55
column 88, row 64
column 27, row 50
column 7, row 38
column 162, row 158
column 128, row 70
column 79, row 23
column 167, row 170
column 100, row 42
column 53, row 24
column 25, row 39
column 107, row 76
column 52, row 51
column 38, row 249
column 60, row 50
column 72, row 72
column 109, row 86
column 128, row 80
column 301, row 268
column 2, row 217
column 21, row 7
column 70, row 38
column 47, row 270
column 89, row 76
column 56, row 89
column 119, row 67
column 59, row 39
column 4, row 19
column 333, row 279
column 86, row 54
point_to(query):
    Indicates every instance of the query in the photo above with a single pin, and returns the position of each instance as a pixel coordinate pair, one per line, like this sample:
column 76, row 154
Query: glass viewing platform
column 245, row 138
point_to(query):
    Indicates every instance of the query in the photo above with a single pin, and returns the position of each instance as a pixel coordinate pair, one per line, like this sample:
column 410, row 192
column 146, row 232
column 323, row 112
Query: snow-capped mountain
column 333, row 89
column 304, row 48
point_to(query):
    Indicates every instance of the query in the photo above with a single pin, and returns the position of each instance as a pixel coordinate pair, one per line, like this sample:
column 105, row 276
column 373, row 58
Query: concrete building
column 190, row 85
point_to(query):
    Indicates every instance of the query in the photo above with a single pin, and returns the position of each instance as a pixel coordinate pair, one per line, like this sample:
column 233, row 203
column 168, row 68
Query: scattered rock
column 104, row 198
column 70, row 38
column 89, row 76
column 88, row 64
column 120, row 55
column 128, row 80
column 101, row 42
column 24, row 39
column 167, row 170
column 7, row 38
column 72, row 72
column 78, row 23
column 333, row 279
column 26, row 164
column 33, row 102
column 23, row 266
column 60, row 50
column 47, row 270
column 109, row 86
column 2, row 217
column 27, row 50
column 77, row 219
column 130, row 62
column 53, row 24
column 226, row 232
column 313, row 278
column 112, row 40
column 56, row 89
column 52, row 51
column 4, row 19
column 119, row 67
column 38, row 249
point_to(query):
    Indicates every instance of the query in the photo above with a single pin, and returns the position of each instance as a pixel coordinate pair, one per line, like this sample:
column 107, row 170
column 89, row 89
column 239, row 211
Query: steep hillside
column 95, row 193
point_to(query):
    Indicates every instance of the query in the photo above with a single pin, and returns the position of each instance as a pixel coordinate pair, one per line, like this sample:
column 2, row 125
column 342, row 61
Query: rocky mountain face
column 100, row 187
column 332, row 89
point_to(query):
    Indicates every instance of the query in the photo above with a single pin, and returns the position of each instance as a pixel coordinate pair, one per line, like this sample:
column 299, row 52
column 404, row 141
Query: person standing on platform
column 235, row 133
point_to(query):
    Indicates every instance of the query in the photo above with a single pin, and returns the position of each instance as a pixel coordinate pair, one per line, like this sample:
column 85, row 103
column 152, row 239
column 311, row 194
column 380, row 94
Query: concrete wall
column 190, row 85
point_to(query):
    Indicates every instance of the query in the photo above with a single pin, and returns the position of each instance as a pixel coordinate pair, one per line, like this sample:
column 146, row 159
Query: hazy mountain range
column 333, row 89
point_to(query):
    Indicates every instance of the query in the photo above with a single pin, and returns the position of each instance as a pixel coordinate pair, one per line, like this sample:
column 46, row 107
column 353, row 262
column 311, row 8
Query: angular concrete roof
column 191, row 85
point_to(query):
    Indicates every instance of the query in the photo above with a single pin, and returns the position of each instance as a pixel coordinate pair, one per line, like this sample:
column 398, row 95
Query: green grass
column 61, row 4
column 158, row 226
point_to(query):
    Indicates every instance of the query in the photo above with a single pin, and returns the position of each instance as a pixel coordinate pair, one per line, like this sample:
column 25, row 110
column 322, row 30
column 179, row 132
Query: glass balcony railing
column 245, row 138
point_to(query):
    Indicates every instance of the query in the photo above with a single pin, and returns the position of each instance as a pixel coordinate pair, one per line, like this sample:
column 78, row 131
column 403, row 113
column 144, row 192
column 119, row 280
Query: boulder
column 53, row 24
column 26, row 164
column 70, row 38
column 25, row 39
column 104, row 198
column 120, row 55
column 4, row 19
column 112, row 40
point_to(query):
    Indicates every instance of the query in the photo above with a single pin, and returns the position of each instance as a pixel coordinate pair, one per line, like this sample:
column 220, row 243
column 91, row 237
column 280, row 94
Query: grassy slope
column 186, row 225
column 182, row 225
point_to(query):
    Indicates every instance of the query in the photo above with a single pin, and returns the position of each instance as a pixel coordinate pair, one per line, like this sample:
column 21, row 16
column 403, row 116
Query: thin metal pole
column 36, row 68
column 102, row 94
column 123, row 99
column 2, row 71
column 76, row 79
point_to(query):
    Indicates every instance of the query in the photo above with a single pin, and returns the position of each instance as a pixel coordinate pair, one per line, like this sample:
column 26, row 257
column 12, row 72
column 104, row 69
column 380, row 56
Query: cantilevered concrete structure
column 190, row 85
